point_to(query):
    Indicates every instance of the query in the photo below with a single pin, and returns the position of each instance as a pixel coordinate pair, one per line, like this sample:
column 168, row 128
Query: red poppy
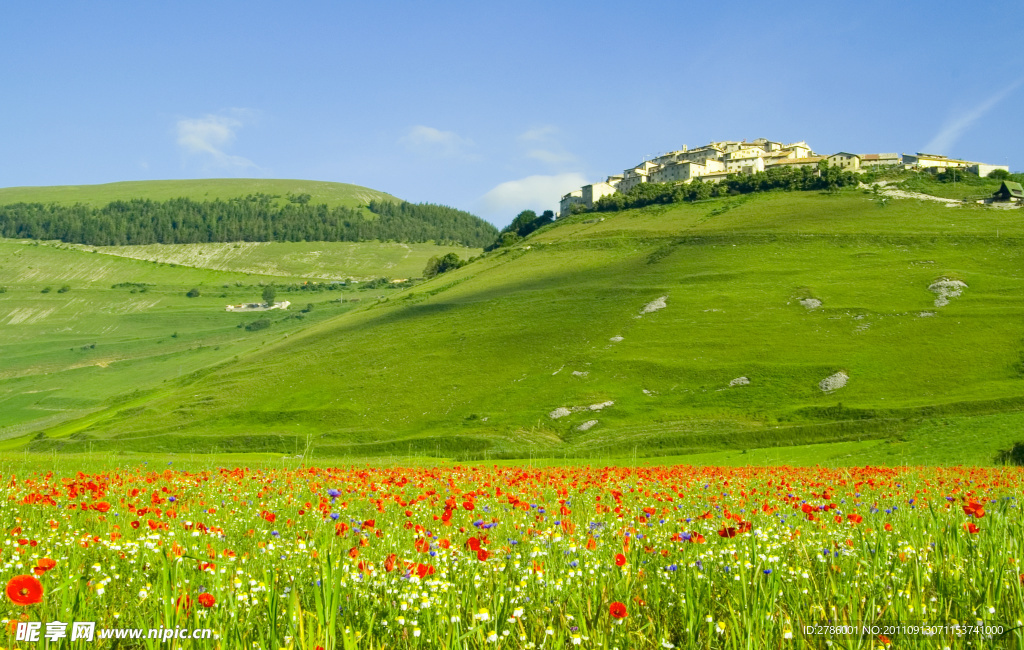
column 473, row 544
column 206, row 599
column 468, row 505
column 727, row 532
column 620, row 559
column 888, row 526
column 854, row 518
column 43, row 565
column 424, row 570
column 972, row 529
column 591, row 544
column 975, row 509
column 389, row 563
column 482, row 555
column 618, row 610
column 25, row 590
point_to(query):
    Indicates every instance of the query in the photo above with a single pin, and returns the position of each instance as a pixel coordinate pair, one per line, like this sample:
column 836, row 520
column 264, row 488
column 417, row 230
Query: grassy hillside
column 314, row 260
column 478, row 358
column 203, row 189
column 80, row 330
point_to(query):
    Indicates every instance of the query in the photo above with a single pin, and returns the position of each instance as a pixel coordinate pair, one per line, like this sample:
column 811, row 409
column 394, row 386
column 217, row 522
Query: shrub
column 46, row 290
column 193, row 292
column 1012, row 456
column 64, row 289
column 260, row 324
column 438, row 265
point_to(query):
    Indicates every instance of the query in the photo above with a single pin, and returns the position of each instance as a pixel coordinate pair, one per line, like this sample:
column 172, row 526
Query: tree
column 269, row 293
column 438, row 265
column 522, row 225
column 999, row 174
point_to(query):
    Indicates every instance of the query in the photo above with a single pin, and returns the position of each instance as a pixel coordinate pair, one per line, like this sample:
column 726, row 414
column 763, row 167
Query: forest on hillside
column 256, row 217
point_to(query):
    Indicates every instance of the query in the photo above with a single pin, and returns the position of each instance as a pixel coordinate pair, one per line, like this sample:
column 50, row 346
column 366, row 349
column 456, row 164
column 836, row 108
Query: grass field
column 65, row 354
column 205, row 189
column 472, row 363
column 312, row 260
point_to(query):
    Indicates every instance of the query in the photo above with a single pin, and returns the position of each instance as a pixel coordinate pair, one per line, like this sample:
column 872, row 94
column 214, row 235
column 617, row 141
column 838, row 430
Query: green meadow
column 472, row 364
column 295, row 260
column 81, row 331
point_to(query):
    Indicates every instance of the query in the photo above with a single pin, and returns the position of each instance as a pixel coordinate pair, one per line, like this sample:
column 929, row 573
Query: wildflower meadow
column 518, row 557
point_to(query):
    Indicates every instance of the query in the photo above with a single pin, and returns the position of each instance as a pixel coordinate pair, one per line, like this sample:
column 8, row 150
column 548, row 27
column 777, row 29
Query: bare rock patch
column 654, row 305
column 945, row 289
column 833, row 382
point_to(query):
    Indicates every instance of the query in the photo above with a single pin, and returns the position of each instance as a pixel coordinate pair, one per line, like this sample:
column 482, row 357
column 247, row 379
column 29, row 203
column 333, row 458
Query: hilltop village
column 718, row 160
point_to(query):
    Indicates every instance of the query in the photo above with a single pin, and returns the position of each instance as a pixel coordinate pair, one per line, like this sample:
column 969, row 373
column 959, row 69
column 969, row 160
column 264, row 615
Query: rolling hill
column 203, row 189
column 682, row 329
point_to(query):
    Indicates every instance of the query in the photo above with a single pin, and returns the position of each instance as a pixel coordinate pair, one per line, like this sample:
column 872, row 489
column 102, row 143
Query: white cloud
column 943, row 142
column 210, row 136
column 550, row 157
column 427, row 139
column 538, row 193
column 538, row 134
column 545, row 147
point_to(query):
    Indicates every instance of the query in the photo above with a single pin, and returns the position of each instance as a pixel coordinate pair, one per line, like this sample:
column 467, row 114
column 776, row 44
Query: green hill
column 82, row 328
column 202, row 189
column 479, row 359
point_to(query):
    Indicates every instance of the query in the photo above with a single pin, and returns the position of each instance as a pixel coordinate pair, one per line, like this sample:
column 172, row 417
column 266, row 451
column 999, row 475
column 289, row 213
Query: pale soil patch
column 559, row 412
column 654, row 305
column 833, row 382
column 28, row 315
column 894, row 193
column 580, row 373
column 811, row 303
column 598, row 407
column 586, row 426
column 615, row 339
column 945, row 289
column 740, row 381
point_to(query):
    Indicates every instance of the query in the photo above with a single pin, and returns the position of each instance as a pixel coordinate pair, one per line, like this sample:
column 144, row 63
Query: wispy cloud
column 538, row 134
column 539, row 192
column 551, row 157
column 545, row 147
column 943, row 142
column 428, row 140
column 209, row 138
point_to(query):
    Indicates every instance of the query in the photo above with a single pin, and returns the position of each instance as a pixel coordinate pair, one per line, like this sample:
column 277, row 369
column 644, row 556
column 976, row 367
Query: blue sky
column 487, row 106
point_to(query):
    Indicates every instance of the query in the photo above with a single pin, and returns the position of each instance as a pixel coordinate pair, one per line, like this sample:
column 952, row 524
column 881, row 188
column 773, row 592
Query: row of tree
column 256, row 217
